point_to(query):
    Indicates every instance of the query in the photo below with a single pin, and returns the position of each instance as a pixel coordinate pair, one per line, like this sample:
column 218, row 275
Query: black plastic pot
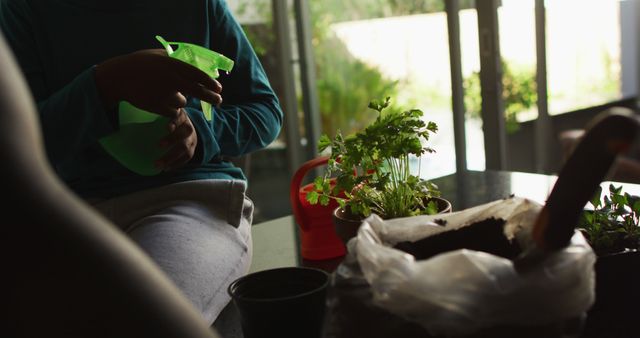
column 614, row 313
column 283, row 302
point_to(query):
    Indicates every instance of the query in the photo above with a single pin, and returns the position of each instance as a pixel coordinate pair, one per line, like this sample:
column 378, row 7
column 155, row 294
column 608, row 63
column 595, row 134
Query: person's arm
column 250, row 116
column 88, row 120
column 75, row 116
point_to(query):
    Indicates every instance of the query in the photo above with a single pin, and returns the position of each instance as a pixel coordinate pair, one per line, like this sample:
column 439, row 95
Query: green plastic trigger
column 204, row 59
column 135, row 143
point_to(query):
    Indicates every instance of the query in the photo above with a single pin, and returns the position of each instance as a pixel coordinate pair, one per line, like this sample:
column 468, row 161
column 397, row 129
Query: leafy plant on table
column 369, row 171
column 613, row 224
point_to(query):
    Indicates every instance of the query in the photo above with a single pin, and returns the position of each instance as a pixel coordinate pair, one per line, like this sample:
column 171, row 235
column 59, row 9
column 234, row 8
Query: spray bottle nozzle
column 206, row 60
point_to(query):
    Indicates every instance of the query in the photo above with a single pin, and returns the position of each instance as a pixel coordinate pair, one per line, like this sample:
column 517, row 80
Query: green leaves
column 371, row 169
column 432, row 208
column 613, row 224
column 378, row 105
column 595, row 200
column 312, row 197
column 320, row 186
column 324, row 142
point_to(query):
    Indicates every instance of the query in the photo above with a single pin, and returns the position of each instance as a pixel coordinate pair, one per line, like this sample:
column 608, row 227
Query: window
column 367, row 50
column 584, row 53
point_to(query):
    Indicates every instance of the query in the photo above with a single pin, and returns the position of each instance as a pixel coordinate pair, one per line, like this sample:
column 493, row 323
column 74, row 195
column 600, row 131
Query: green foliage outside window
column 519, row 93
column 341, row 10
column 344, row 83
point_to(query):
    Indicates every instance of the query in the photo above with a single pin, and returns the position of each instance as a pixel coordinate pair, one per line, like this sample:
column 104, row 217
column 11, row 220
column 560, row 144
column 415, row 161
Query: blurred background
column 501, row 78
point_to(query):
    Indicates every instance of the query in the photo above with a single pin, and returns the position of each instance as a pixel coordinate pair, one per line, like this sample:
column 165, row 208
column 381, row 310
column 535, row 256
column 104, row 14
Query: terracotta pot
column 444, row 206
column 347, row 224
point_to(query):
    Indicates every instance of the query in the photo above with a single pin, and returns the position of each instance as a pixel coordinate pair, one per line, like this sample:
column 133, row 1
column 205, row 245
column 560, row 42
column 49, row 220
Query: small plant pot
column 347, row 224
column 614, row 313
column 281, row 302
column 444, row 206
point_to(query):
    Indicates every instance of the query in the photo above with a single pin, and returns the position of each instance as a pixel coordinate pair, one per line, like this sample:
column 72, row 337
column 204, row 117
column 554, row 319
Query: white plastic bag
column 463, row 291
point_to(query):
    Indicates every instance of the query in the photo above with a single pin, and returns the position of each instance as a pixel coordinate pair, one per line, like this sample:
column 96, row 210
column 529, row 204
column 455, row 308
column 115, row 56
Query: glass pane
column 517, row 44
column 367, row 50
column 518, row 51
column 583, row 53
column 471, row 81
column 267, row 170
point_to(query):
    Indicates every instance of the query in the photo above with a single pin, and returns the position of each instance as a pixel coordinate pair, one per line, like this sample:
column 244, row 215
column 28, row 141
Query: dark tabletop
column 471, row 188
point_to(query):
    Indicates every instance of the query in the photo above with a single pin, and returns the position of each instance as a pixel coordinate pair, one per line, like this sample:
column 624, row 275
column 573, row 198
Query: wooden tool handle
column 611, row 133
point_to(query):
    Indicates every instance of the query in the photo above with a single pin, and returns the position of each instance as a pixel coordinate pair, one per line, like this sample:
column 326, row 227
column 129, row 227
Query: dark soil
column 353, row 314
column 487, row 236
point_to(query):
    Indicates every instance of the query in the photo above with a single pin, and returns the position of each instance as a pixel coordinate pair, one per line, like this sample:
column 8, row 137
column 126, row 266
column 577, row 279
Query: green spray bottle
column 135, row 144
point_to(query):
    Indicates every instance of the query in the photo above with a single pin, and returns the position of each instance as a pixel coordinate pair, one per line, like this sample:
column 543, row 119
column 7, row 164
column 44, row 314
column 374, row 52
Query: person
column 82, row 57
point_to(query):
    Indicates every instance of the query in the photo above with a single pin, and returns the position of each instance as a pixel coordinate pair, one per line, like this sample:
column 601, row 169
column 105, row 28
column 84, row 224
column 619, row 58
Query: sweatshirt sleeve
column 72, row 117
column 250, row 117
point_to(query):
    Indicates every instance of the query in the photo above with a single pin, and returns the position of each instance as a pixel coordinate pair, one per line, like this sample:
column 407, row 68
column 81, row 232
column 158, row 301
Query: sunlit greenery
column 369, row 171
column 613, row 224
column 518, row 93
column 344, row 83
column 341, row 10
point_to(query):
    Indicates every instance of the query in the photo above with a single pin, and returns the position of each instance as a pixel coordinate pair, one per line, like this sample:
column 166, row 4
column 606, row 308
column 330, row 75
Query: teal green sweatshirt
column 59, row 42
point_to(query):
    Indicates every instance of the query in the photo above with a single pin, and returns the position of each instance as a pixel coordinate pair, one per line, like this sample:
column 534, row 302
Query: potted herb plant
column 612, row 226
column 613, row 231
column 369, row 171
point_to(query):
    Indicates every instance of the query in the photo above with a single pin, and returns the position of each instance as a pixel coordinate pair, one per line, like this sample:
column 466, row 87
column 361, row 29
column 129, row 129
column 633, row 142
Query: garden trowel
column 609, row 134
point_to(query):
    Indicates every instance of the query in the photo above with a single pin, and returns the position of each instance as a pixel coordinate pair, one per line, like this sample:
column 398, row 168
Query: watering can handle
column 296, row 205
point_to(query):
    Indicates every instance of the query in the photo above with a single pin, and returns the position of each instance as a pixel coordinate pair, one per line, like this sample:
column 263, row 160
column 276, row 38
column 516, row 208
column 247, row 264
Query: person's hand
column 153, row 81
column 181, row 143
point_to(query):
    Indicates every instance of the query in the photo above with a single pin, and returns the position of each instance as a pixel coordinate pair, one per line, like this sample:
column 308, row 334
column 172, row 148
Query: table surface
column 472, row 188
column 276, row 245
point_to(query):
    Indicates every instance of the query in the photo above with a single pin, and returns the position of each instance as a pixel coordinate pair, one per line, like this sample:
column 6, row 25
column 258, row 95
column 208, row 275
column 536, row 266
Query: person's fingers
column 167, row 111
column 178, row 121
column 218, row 88
column 193, row 74
column 180, row 133
column 198, row 91
column 156, row 51
column 176, row 100
column 159, row 83
column 181, row 149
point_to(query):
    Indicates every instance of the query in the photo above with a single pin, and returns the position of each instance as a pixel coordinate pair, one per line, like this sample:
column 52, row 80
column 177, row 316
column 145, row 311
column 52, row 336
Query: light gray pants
column 198, row 232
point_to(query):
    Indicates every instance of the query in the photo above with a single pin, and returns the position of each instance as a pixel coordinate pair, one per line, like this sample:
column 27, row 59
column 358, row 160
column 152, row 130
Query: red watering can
column 318, row 238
